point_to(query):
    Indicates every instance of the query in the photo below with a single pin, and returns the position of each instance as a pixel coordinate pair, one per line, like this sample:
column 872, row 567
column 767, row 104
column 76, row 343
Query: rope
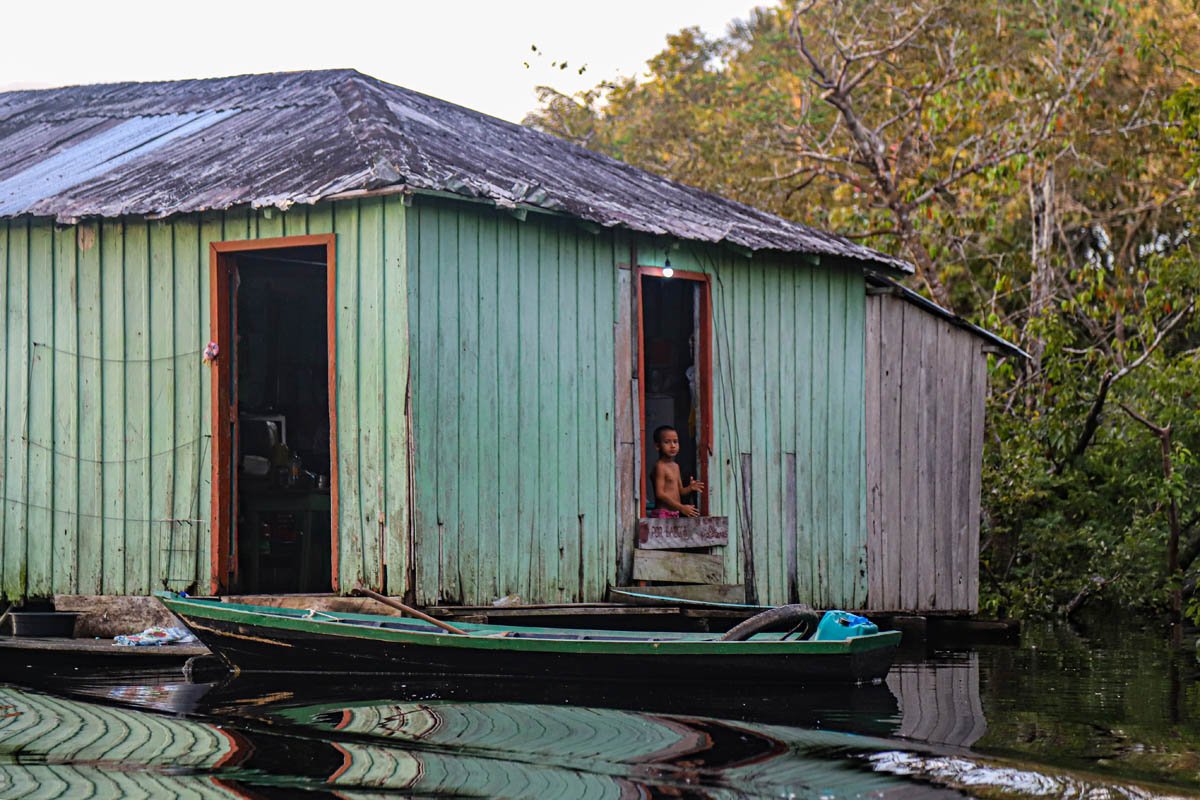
column 172, row 357
column 73, row 457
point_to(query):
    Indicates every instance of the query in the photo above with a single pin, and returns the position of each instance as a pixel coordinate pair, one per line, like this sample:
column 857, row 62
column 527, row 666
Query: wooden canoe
column 277, row 640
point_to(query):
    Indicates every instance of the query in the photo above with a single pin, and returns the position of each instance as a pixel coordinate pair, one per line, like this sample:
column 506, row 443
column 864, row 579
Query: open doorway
column 675, row 354
column 274, row 489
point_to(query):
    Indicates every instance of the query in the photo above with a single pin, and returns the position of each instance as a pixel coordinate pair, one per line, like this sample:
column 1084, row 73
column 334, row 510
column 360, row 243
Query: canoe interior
column 408, row 625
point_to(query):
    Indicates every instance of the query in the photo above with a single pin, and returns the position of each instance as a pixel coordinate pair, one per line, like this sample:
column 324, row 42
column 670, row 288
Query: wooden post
column 624, row 425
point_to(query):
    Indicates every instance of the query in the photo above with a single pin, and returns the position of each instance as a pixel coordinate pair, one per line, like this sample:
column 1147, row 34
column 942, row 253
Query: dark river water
column 1108, row 713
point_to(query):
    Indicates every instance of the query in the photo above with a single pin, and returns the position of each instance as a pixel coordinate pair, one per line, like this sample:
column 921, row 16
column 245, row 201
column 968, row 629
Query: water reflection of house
column 518, row 750
column 939, row 700
column 441, row 345
column 72, row 749
column 75, row 749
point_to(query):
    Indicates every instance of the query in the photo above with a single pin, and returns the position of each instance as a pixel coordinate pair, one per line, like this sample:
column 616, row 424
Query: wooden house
column 293, row 332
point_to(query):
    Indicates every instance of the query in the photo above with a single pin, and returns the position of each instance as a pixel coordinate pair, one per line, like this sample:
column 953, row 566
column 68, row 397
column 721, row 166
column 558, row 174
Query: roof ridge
column 360, row 104
column 340, row 71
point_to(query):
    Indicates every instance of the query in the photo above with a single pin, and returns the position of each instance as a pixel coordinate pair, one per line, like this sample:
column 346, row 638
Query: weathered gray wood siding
column 511, row 331
column 926, row 384
column 106, row 461
column 788, row 420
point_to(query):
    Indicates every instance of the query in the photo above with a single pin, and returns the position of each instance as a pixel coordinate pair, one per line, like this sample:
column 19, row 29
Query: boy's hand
column 694, row 486
column 689, row 511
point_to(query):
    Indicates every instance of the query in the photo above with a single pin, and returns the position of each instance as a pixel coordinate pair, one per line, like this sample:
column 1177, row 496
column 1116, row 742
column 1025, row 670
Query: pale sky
column 468, row 52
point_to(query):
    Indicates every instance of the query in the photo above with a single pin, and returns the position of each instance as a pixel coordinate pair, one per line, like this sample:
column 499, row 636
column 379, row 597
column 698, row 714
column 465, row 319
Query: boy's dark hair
column 660, row 430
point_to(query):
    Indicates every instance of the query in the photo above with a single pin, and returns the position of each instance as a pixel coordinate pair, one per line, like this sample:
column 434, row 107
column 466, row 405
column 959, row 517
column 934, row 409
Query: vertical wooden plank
column 528, row 441
column 760, row 384
column 188, row 427
column 624, row 422
column 928, row 502
column 138, row 400
column 740, row 324
column 604, row 278
column 749, row 570
column 910, row 458
column 91, row 411
column 806, row 367
column 113, row 379
column 772, row 447
column 569, row 519
column 369, row 329
column 396, row 394
column 320, row 218
column 164, row 373
column 423, row 301
column 351, row 531
column 211, row 230
column 966, row 354
column 978, row 399
column 5, row 355
column 791, row 513
column 891, row 365
column 873, row 409
column 835, row 356
column 466, row 401
column 65, row 434
column 788, row 324
column 489, row 438
column 577, row 410
column 945, row 463
column 509, row 389
column 16, row 405
column 238, row 224
column 448, row 365
column 295, row 219
column 269, row 223
column 854, row 493
column 548, row 523
column 40, row 430
column 822, row 458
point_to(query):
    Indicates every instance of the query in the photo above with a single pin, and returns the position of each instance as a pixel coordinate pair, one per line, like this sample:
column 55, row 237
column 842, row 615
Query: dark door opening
column 675, row 385
column 274, row 489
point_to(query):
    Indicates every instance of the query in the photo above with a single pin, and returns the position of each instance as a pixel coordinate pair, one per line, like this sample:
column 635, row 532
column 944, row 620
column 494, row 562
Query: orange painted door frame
column 223, row 330
column 704, row 443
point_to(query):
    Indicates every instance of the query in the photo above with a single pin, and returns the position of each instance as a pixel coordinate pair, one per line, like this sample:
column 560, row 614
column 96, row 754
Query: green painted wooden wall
column 788, row 389
column 106, row 410
column 511, row 327
column 105, row 467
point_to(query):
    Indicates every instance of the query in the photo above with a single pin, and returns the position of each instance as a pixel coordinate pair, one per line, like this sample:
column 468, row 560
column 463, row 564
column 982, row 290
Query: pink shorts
column 663, row 513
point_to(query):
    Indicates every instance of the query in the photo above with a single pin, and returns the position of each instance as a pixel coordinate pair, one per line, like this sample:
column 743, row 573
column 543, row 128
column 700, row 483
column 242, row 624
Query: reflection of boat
column 255, row 638
column 870, row 709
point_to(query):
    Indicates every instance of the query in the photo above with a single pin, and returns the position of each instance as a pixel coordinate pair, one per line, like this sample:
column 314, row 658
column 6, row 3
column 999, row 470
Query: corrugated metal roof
column 158, row 149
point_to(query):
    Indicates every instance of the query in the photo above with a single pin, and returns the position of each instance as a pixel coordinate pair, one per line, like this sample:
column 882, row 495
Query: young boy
column 668, row 486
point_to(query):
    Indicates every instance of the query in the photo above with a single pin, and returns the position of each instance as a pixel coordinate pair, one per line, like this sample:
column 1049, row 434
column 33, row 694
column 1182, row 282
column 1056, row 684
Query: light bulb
column 668, row 272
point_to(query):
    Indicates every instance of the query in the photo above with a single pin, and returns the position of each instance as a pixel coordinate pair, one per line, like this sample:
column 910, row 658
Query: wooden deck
column 63, row 651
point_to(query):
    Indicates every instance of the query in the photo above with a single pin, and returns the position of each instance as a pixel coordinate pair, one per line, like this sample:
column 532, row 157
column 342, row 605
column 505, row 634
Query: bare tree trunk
column 1041, row 282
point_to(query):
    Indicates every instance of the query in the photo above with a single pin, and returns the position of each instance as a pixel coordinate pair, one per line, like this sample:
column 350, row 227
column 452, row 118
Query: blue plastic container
column 838, row 625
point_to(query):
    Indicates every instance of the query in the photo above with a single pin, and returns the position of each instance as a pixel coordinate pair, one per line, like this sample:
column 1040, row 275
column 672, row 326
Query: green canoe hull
column 258, row 639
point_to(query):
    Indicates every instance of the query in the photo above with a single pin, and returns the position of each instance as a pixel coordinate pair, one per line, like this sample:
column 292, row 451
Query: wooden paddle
column 362, row 591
